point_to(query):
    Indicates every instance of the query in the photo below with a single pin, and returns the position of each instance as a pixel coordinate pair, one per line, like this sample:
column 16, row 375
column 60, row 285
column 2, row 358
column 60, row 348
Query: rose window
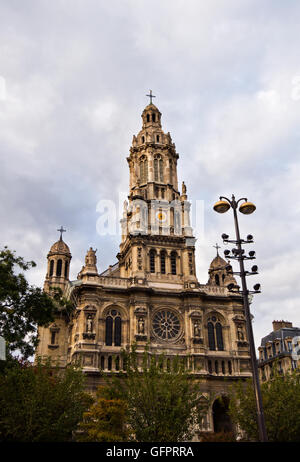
column 166, row 325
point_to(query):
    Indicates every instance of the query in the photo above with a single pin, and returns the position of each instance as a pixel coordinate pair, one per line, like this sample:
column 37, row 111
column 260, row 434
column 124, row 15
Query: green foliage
column 23, row 307
column 281, row 403
column 41, row 402
column 162, row 405
column 105, row 420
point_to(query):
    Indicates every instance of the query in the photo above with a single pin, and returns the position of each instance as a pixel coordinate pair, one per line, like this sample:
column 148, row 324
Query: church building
column 151, row 296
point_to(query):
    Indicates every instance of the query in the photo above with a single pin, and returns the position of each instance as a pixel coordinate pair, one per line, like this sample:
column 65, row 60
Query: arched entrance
column 221, row 419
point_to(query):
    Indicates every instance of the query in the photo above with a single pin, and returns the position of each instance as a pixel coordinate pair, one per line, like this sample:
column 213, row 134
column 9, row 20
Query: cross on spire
column 151, row 96
column 61, row 231
column 217, row 247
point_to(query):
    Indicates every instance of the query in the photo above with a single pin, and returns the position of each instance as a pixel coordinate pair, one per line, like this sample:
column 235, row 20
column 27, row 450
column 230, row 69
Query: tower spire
column 61, row 231
column 151, row 96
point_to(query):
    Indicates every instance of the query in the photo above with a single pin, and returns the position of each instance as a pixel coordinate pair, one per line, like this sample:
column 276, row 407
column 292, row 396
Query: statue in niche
column 197, row 329
column 89, row 323
column 240, row 332
column 141, row 326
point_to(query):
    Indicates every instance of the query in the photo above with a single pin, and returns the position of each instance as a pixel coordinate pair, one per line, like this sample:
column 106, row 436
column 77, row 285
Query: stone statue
column 183, row 188
column 197, row 329
column 240, row 333
column 90, row 258
column 89, row 323
column 141, row 326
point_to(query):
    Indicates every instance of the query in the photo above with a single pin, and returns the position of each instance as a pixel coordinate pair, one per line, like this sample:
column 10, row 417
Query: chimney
column 280, row 324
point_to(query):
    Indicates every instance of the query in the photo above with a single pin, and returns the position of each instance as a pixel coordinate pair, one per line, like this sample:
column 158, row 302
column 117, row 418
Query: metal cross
column 217, row 247
column 61, row 230
column 151, row 96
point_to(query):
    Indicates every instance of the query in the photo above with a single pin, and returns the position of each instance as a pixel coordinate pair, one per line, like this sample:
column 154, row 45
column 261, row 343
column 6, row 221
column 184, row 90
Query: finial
column 217, row 247
column 61, row 230
column 151, row 96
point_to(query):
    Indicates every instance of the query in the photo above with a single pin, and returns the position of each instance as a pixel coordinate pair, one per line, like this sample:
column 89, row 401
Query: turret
column 58, row 269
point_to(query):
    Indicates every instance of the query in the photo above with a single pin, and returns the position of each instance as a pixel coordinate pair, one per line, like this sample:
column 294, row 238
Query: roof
column 280, row 334
column 60, row 247
column 218, row 262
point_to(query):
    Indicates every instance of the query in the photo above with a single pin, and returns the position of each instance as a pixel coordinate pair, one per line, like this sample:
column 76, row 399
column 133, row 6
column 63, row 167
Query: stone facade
column 152, row 295
column 276, row 350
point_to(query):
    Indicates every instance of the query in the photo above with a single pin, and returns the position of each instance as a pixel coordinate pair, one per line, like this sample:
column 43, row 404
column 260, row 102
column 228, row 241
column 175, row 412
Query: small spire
column 61, row 230
column 217, row 247
column 151, row 96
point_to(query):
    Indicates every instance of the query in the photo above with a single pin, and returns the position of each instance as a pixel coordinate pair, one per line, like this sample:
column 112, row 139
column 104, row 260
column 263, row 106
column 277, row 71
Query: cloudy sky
column 226, row 75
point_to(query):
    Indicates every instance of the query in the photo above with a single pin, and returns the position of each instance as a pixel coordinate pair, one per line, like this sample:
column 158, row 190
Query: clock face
column 161, row 216
column 166, row 325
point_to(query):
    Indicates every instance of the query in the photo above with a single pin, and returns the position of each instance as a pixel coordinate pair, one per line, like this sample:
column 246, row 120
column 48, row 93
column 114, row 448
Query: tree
column 163, row 401
column 23, row 307
column 281, row 403
column 41, row 402
column 105, row 421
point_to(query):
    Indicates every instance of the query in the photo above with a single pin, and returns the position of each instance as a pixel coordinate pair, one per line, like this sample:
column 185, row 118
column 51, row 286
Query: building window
column 229, row 368
column 153, row 117
column 216, row 367
column 58, row 267
column 143, row 139
column 157, row 138
column 219, row 335
column 217, row 280
column 158, row 169
column 148, row 117
column 215, row 334
column 113, row 328
column 152, row 261
column 51, row 268
column 173, row 262
column 144, row 170
column 109, row 363
column 102, row 363
column 163, row 262
column 53, row 338
column 209, row 366
column 223, row 367
column 211, row 336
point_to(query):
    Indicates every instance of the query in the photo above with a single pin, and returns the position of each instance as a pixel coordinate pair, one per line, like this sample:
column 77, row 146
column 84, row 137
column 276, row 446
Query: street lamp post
column 222, row 206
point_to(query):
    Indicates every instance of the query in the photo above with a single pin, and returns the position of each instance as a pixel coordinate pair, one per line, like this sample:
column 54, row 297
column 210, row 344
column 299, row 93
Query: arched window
column 219, row 335
column 211, row 336
column 66, row 269
column 109, row 363
column 152, row 261
column 143, row 170
column 158, row 169
column 118, row 331
column 229, row 367
column 148, row 117
column 51, row 268
column 113, row 328
column 117, row 363
column 173, row 262
column 108, row 330
column 58, row 267
column 215, row 333
column 153, row 117
column 217, row 279
column 163, row 262
column 157, row 138
column 223, row 278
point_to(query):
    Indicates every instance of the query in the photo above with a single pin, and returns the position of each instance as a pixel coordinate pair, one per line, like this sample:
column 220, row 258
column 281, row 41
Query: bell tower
column 58, row 269
column 157, row 239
